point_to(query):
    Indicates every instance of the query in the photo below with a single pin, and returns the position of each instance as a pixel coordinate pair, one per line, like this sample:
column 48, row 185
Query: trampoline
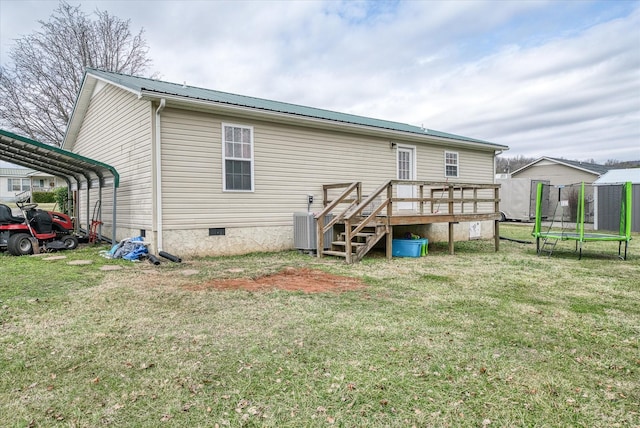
column 550, row 237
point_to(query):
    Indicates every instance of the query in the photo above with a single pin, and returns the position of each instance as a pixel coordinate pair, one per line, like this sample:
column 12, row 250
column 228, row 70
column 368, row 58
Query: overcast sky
column 556, row 78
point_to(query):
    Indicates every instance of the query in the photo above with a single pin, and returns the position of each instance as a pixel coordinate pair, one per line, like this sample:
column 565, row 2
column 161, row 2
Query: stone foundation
column 197, row 242
column 235, row 241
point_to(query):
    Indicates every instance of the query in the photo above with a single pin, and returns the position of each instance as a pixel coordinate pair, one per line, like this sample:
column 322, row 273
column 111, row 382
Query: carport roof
column 56, row 161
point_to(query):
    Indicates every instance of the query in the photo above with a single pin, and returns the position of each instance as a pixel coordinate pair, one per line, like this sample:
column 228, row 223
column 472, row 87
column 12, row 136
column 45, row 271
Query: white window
column 237, row 166
column 451, row 164
column 19, row 185
column 405, row 170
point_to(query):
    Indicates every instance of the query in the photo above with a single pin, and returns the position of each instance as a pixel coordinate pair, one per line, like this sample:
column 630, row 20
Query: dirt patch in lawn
column 290, row 279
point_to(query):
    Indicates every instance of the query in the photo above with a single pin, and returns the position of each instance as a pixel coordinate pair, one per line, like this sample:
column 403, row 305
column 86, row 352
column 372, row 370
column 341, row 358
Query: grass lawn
column 479, row 339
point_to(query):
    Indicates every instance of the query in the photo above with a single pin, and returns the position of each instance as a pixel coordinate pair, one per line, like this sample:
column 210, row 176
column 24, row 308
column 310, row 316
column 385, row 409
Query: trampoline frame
column 579, row 235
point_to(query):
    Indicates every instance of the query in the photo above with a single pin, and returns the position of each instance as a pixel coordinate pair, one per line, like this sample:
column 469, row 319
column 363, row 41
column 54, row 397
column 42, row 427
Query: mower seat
column 7, row 217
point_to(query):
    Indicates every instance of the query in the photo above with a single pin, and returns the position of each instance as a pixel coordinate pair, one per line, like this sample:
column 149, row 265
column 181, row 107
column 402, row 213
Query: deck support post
column 319, row 236
column 451, row 238
column 389, row 242
column 389, row 226
column 451, row 212
column 347, row 242
column 496, row 237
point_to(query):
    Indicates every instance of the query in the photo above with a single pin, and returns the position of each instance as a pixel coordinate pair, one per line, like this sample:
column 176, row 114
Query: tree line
column 508, row 164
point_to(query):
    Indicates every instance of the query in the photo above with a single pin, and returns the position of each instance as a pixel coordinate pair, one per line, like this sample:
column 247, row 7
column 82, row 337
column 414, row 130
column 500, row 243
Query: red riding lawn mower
column 37, row 231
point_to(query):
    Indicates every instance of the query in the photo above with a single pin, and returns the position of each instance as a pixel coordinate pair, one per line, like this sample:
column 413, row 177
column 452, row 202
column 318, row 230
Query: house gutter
column 158, row 174
column 495, row 162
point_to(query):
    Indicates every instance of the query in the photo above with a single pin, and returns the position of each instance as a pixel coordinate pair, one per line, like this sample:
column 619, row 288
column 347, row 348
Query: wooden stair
column 359, row 245
column 351, row 224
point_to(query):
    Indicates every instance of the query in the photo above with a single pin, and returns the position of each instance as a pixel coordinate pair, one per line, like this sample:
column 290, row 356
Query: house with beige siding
column 560, row 171
column 204, row 172
column 21, row 182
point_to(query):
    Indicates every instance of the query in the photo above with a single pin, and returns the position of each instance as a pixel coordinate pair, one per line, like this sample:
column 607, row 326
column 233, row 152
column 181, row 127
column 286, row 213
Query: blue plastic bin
column 410, row 247
column 406, row 247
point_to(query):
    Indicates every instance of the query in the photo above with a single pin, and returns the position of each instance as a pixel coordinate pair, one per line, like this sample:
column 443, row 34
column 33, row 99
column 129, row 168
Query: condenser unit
column 305, row 232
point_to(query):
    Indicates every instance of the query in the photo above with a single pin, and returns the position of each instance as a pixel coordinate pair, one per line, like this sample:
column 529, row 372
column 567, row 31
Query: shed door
column 406, row 166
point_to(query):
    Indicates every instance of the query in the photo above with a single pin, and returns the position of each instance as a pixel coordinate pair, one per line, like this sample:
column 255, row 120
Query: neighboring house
column 208, row 172
column 560, row 171
column 608, row 195
column 16, row 181
column 563, row 172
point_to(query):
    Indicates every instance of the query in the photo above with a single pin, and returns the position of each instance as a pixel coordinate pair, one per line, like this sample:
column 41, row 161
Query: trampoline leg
column 538, row 245
column 626, row 244
column 620, row 249
column 580, row 254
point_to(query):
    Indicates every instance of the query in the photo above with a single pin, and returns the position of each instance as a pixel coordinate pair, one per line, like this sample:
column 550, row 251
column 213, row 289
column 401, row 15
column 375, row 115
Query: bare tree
column 507, row 164
column 38, row 91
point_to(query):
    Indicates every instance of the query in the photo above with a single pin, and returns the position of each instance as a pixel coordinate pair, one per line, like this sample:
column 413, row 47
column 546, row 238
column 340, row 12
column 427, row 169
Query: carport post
column 88, row 204
column 113, row 233
column 69, row 197
column 100, row 213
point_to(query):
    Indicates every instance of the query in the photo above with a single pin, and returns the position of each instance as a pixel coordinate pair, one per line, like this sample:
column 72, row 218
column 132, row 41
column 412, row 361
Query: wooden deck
column 366, row 220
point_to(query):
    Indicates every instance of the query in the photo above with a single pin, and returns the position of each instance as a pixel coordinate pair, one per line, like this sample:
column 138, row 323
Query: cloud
column 544, row 77
column 530, row 98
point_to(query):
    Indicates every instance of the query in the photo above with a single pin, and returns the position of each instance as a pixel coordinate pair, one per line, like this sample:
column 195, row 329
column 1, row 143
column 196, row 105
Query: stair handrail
column 321, row 227
column 358, row 210
column 334, row 203
column 370, row 217
column 369, row 199
column 366, row 202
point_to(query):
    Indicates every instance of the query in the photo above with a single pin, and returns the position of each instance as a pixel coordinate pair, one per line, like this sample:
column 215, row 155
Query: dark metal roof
column 140, row 85
column 53, row 160
column 592, row 168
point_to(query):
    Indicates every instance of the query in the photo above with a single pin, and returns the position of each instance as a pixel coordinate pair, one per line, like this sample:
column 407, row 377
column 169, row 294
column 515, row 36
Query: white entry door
column 406, row 165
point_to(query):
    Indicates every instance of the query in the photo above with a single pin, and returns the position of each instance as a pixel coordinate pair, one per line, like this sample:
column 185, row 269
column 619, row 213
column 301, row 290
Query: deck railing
column 434, row 202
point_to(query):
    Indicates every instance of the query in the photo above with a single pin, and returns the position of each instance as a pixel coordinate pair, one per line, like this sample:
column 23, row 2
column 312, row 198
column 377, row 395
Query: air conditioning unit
column 305, row 232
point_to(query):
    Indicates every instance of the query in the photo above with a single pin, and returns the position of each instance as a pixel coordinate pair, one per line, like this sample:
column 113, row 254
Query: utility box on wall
column 305, row 232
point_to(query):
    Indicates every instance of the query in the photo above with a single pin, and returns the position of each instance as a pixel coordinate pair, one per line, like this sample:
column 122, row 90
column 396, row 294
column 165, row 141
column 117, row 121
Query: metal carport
column 80, row 173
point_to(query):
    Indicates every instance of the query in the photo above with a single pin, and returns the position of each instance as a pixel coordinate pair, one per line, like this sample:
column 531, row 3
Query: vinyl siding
column 117, row 130
column 556, row 174
column 7, row 195
column 290, row 163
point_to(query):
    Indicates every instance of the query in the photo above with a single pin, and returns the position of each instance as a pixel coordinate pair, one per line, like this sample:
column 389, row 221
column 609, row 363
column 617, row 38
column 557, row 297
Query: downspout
column 158, row 161
column 495, row 163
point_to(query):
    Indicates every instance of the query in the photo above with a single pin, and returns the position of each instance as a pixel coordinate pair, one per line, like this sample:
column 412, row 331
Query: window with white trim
column 237, row 167
column 19, row 184
column 451, row 164
column 404, row 165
